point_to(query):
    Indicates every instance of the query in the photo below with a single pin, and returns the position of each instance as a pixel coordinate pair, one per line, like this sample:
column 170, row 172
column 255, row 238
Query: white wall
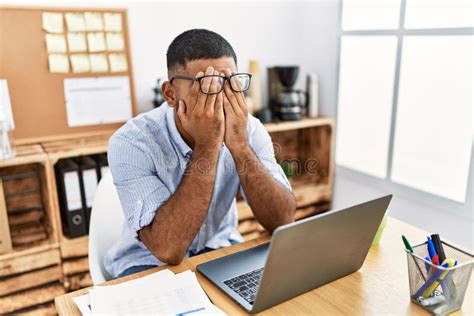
column 272, row 32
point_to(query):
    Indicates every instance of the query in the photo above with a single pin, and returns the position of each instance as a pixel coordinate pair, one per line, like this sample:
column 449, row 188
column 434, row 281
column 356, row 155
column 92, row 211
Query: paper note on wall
column 94, row 21
column 80, row 63
column 98, row 100
column 55, row 43
column 118, row 62
column 76, row 42
column 52, row 22
column 113, row 22
column 98, row 63
column 115, row 42
column 96, row 42
column 58, row 63
column 75, row 22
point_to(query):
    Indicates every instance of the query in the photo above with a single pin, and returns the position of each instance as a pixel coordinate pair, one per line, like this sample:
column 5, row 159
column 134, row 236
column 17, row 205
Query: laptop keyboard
column 246, row 285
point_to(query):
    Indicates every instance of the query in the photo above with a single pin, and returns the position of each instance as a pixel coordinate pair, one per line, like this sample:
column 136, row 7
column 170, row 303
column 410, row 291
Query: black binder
column 102, row 165
column 88, row 179
column 70, row 198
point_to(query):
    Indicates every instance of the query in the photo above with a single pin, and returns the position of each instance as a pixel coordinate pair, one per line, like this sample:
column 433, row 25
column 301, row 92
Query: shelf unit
column 33, row 274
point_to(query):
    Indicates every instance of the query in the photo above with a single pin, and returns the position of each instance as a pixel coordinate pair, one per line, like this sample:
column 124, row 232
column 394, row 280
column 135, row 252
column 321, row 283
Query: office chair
column 106, row 223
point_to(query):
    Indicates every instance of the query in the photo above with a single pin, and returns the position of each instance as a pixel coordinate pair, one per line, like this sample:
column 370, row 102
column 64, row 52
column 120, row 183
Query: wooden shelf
column 26, row 154
column 306, row 122
column 75, row 247
column 76, row 147
column 305, row 194
column 25, row 252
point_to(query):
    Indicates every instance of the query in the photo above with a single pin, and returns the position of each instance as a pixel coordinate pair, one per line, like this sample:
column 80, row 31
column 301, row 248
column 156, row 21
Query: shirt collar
column 175, row 136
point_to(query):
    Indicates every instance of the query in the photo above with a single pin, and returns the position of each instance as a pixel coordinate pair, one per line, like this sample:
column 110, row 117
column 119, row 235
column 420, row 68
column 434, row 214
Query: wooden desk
column 381, row 286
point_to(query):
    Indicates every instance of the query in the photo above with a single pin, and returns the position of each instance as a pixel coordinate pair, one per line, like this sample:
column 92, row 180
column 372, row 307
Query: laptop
column 301, row 256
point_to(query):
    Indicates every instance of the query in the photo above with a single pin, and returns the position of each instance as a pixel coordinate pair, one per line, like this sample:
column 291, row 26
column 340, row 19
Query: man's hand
column 203, row 119
column 236, row 116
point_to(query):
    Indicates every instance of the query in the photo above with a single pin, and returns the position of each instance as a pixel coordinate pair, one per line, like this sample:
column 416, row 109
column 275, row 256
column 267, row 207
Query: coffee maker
column 287, row 103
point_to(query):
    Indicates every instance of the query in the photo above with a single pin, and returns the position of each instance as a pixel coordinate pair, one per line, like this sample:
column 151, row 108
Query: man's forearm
column 272, row 204
column 177, row 222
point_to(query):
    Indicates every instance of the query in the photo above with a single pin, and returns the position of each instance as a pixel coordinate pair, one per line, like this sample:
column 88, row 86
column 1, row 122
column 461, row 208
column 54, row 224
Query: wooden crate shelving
column 34, row 273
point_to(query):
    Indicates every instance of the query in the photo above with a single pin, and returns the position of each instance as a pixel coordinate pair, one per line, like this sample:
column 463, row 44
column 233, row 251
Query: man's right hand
column 203, row 118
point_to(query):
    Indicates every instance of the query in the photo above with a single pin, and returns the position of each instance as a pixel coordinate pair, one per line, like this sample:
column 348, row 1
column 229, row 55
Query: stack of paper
column 163, row 293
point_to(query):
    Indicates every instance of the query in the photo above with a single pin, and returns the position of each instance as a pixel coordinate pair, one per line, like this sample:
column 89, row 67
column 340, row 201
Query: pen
column 410, row 249
column 439, row 247
column 431, row 248
column 448, row 263
column 433, row 279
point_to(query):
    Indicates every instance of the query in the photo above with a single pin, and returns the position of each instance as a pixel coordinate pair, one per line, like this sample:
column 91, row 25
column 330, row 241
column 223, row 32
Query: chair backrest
column 106, row 223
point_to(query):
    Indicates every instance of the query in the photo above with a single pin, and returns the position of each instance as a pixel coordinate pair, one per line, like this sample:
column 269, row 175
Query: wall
column 270, row 31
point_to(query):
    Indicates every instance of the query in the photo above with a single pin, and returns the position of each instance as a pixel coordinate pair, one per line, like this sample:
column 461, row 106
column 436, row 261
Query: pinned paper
column 80, row 63
column 77, row 42
column 97, row 100
column 113, row 22
column 94, row 21
column 75, row 22
column 115, row 42
column 55, row 43
column 52, row 22
column 58, row 63
column 96, row 42
column 98, row 63
column 118, row 62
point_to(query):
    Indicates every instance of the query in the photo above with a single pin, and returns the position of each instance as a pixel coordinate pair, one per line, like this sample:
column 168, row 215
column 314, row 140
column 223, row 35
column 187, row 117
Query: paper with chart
column 97, row 100
column 159, row 293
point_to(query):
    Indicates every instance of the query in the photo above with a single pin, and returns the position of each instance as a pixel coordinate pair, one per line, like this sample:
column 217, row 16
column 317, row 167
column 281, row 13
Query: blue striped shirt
column 147, row 157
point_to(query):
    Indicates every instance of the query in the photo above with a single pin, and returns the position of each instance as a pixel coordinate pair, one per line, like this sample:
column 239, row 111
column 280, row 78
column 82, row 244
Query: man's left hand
column 236, row 116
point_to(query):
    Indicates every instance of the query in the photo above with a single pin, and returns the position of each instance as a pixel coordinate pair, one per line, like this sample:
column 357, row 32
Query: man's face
column 183, row 88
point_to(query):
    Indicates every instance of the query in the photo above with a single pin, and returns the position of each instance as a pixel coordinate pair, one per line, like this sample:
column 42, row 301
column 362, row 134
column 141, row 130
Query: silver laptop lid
column 314, row 251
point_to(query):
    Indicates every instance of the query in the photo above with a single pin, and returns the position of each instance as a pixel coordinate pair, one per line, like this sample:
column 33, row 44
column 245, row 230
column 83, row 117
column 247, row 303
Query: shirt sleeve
column 140, row 190
column 262, row 145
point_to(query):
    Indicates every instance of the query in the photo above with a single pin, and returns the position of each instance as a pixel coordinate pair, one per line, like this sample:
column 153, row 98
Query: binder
column 88, row 179
column 70, row 198
column 102, row 165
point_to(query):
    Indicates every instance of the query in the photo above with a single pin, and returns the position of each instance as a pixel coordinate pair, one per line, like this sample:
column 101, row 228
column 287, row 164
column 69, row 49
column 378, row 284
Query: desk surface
column 380, row 286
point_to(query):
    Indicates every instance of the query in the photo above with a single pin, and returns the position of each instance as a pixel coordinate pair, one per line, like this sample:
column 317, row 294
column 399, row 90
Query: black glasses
column 213, row 84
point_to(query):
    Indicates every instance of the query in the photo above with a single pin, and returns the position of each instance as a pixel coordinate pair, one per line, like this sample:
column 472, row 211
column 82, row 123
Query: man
column 177, row 168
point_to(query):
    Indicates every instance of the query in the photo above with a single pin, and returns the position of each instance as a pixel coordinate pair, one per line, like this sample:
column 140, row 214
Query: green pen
column 410, row 249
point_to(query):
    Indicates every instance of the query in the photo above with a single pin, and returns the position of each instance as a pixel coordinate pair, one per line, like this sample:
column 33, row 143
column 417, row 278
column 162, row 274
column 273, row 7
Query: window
column 434, row 121
column 434, row 14
column 365, row 95
column 370, row 14
column 405, row 96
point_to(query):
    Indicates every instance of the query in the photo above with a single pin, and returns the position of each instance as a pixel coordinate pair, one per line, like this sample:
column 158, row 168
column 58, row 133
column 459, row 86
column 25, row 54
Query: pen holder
column 439, row 290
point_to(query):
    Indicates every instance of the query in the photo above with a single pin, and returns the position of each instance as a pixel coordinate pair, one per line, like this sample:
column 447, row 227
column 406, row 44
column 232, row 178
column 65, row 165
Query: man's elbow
column 161, row 250
column 169, row 256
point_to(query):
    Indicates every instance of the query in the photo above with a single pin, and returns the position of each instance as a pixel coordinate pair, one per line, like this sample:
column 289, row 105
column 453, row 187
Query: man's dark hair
column 197, row 44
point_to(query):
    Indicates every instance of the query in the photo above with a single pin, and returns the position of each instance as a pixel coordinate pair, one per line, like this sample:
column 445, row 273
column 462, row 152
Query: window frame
column 386, row 184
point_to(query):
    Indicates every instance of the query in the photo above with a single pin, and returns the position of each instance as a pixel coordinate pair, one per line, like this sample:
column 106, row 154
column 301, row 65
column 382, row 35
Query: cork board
column 37, row 96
